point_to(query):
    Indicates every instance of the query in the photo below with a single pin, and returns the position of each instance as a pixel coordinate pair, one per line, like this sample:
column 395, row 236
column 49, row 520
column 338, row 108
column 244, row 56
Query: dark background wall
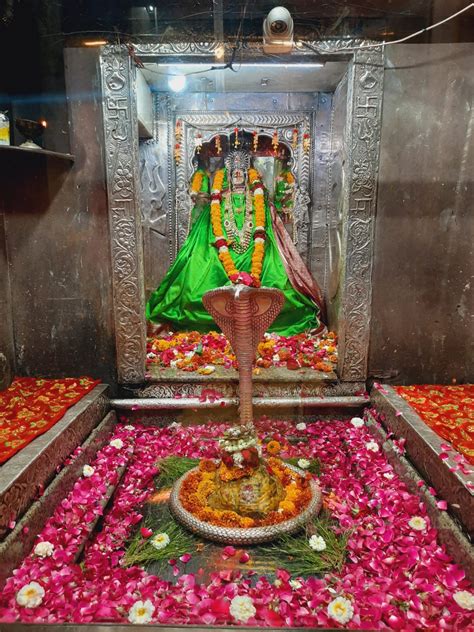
column 56, row 247
column 423, row 299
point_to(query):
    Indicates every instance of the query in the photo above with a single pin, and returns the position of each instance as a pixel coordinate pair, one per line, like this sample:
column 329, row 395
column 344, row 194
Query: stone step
column 423, row 448
column 182, row 403
column 450, row 532
column 269, row 383
column 29, row 471
column 20, row 540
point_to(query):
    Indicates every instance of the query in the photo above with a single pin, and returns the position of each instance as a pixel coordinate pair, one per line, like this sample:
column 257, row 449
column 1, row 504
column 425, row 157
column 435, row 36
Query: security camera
column 278, row 31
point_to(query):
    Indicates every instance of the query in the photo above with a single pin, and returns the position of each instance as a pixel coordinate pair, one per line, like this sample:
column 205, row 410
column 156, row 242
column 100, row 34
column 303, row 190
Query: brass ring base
column 241, row 536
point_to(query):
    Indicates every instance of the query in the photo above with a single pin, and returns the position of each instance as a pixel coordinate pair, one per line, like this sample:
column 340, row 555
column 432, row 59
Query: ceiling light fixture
column 270, row 65
column 219, row 52
column 177, row 83
column 95, row 42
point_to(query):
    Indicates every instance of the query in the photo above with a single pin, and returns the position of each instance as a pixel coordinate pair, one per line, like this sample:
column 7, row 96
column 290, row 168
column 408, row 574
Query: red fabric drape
column 299, row 275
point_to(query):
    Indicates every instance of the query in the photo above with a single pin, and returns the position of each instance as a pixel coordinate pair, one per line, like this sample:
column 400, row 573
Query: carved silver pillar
column 121, row 159
column 364, row 107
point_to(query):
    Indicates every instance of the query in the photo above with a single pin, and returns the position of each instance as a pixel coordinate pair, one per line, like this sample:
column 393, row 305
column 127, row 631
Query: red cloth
column 299, row 275
column 31, row 406
column 448, row 410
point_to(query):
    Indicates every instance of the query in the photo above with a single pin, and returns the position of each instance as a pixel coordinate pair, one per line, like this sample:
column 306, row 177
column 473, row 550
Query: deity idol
column 237, row 237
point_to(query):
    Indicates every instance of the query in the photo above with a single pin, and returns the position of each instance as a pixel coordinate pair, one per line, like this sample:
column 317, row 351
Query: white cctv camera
column 278, row 31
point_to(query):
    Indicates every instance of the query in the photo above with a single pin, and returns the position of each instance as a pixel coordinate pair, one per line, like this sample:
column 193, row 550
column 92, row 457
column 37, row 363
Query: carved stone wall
column 121, row 156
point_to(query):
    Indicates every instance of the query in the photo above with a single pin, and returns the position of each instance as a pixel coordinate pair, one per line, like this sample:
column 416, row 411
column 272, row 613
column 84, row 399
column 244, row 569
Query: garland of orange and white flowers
column 259, row 235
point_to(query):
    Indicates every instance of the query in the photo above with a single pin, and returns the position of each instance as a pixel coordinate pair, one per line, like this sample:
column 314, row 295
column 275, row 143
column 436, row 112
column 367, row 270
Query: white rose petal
column 418, row 523
column 242, row 608
column 129, row 427
column 301, row 426
column 276, row 357
column 357, row 422
column 304, row 464
column 160, row 540
column 87, row 471
column 341, row 610
column 295, row 584
column 117, row 443
column 44, row 549
column 150, row 355
column 30, row 595
column 141, row 612
column 465, row 599
column 317, row 543
column 238, row 458
column 389, row 476
column 373, row 446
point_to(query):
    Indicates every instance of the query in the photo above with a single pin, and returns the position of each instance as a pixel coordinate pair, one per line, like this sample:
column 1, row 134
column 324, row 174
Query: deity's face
column 238, row 178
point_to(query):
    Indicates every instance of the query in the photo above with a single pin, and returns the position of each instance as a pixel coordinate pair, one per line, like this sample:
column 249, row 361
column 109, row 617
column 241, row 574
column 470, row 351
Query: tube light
column 279, row 65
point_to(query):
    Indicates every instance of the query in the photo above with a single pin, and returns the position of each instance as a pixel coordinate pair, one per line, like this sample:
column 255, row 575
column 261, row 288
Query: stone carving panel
column 153, row 208
column 363, row 139
column 121, row 155
column 207, row 49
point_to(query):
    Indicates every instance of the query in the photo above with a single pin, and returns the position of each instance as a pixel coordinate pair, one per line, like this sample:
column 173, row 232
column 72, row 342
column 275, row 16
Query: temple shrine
column 236, row 342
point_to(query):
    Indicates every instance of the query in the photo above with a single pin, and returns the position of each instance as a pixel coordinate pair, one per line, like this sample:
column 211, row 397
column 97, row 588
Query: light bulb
column 177, row 83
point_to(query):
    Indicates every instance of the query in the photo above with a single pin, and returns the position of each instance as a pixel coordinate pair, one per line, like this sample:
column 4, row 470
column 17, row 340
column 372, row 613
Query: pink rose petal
column 145, row 532
column 185, row 558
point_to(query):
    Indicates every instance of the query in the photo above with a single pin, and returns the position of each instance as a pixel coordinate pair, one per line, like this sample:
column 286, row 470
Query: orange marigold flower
column 274, row 447
column 207, row 465
column 287, row 505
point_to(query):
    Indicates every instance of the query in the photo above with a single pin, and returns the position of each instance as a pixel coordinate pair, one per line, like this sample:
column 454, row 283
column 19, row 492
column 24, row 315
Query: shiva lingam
column 244, row 498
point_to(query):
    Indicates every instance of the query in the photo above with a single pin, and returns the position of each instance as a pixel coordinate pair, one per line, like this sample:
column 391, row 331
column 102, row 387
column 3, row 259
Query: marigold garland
column 198, row 486
column 196, row 183
column 222, row 244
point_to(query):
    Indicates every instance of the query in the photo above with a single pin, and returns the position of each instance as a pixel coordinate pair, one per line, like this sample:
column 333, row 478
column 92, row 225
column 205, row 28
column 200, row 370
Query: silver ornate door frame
column 361, row 140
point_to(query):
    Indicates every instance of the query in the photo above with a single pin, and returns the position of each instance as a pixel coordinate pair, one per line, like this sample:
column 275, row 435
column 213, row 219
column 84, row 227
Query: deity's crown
column 237, row 159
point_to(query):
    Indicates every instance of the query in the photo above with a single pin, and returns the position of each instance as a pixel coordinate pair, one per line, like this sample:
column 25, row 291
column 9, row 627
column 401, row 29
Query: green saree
column 197, row 269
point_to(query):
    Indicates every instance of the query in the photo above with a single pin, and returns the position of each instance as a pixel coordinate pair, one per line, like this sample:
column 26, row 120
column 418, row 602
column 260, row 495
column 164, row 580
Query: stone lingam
column 244, row 498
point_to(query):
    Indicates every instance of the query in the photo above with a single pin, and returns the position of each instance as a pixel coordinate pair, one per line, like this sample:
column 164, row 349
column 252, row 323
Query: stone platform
column 34, row 480
column 172, row 394
column 423, row 449
column 271, row 383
